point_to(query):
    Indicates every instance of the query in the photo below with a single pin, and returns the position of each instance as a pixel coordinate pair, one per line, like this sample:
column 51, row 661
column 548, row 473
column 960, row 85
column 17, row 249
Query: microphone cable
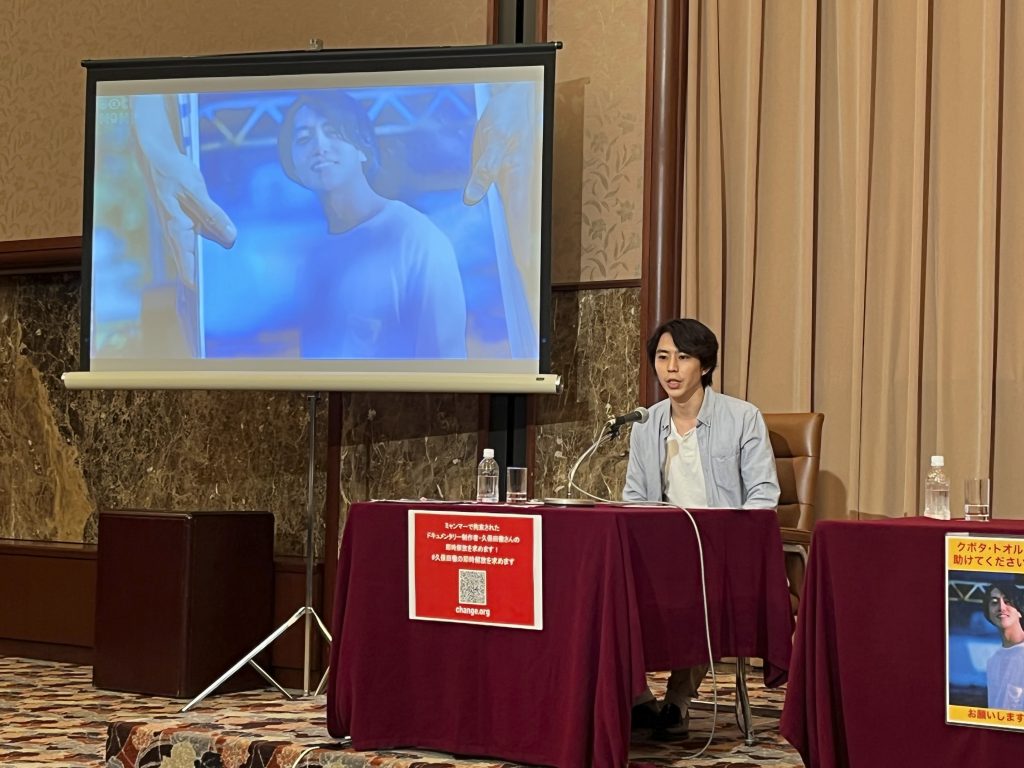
column 703, row 595
column 605, row 434
column 608, row 431
column 707, row 635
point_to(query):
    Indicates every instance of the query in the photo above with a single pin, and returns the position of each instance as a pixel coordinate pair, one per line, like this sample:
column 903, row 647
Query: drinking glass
column 977, row 494
column 515, row 488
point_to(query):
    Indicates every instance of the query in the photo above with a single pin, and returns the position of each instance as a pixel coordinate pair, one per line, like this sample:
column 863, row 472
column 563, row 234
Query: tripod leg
column 266, row 676
column 323, row 627
column 246, row 659
column 307, row 653
column 323, row 683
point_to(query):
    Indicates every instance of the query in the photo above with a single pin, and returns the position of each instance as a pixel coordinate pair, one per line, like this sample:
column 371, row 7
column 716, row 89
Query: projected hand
column 178, row 190
column 504, row 143
column 506, row 154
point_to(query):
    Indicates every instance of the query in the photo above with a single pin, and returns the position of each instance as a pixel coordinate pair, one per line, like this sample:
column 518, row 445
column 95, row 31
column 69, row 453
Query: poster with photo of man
column 985, row 631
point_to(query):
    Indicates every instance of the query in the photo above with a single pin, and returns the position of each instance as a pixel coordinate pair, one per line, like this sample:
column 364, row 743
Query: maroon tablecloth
column 867, row 680
column 621, row 596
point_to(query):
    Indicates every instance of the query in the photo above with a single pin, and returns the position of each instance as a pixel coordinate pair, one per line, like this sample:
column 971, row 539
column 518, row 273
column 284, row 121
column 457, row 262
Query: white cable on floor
column 302, row 756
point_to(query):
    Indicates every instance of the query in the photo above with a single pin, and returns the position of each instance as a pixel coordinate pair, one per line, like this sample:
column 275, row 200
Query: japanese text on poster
column 475, row 568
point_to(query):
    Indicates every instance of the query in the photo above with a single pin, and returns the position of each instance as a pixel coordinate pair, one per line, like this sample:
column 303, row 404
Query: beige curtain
column 854, row 219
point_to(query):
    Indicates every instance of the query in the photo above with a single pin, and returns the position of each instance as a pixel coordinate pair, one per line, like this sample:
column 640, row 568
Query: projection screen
column 333, row 220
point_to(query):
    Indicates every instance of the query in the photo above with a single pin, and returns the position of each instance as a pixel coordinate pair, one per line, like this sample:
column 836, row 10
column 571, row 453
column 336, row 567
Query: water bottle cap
column 938, row 461
column 488, row 453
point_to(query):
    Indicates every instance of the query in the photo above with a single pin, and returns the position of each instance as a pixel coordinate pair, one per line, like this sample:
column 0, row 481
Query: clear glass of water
column 977, row 499
column 515, row 488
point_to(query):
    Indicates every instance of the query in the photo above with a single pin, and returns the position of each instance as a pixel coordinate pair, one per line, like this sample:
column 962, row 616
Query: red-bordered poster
column 985, row 631
column 475, row 568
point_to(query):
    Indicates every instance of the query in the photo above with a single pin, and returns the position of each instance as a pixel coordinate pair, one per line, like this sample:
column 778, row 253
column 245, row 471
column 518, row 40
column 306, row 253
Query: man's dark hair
column 340, row 111
column 1011, row 596
column 692, row 337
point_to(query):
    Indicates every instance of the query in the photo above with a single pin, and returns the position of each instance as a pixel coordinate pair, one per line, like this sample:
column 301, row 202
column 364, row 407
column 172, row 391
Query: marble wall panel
column 409, row 446
column 42, row 492
column 597, row 351
column 65, row 454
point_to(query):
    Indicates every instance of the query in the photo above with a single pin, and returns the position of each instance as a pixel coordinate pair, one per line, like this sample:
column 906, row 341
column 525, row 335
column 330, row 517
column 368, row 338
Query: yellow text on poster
column 984, row 716
column 966, row 553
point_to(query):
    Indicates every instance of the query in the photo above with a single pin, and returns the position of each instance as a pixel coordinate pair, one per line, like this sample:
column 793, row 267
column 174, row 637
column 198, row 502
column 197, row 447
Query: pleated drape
column 853, row 224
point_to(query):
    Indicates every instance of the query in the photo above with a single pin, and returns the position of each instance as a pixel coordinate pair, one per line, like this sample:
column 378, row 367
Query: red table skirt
column 621, row 596
column 867, row 685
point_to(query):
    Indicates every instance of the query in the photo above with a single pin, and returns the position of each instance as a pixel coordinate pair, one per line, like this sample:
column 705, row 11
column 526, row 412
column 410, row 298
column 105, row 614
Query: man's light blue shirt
column 735, row 453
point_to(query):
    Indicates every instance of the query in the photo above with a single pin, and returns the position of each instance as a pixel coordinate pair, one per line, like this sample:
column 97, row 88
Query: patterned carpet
column 51, row 715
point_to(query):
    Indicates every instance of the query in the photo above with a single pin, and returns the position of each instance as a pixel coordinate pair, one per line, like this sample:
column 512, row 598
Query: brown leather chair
column 796, row 443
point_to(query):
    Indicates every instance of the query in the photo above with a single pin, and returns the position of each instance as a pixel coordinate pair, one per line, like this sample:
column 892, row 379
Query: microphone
column 641, row 415
column 609, row 432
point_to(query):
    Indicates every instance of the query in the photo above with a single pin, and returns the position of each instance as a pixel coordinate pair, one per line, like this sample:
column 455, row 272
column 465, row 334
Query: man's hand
column 506, row 154
column 504, row 141
column 183, row 205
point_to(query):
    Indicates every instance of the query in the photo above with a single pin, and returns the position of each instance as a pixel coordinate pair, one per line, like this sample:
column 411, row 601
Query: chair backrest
column 796, row 443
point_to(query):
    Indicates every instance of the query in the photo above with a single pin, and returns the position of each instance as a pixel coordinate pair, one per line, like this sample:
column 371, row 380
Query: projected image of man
column 1005, row 668
column 385, row 280
column 698, row 449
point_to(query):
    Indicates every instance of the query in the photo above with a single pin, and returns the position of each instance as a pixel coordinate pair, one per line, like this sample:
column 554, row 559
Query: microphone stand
column 609, row 431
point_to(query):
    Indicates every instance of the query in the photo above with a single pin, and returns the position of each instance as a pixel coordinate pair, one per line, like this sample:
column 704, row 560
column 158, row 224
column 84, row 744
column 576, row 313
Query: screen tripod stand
column 307, row 611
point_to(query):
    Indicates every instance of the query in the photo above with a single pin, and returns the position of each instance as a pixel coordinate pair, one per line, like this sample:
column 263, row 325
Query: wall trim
column 64, row 549
column 42, row 254
column 595, row 285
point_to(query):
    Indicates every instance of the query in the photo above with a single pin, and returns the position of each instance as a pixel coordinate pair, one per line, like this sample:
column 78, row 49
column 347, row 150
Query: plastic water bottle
column 487, row 478
column 936, row 490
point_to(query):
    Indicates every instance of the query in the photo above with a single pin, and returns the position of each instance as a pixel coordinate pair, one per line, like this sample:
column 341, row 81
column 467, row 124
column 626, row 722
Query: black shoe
column 644, row 716
column 673, row 723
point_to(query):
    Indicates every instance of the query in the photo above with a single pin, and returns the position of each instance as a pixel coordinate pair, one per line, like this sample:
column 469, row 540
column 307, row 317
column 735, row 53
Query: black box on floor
column 181, row 597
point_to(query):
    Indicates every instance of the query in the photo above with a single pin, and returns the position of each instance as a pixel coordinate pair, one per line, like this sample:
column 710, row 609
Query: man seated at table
column 698, row 449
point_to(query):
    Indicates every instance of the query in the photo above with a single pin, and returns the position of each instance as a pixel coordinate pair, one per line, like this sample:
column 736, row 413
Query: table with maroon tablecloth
column 867, row 683
column 621, row 595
